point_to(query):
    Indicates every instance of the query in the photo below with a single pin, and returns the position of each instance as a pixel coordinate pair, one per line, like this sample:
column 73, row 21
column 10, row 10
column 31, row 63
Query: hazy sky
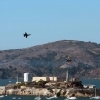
column 48, row 21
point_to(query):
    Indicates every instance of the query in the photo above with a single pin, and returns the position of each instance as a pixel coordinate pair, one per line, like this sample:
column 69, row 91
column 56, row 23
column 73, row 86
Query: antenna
column 17, row 78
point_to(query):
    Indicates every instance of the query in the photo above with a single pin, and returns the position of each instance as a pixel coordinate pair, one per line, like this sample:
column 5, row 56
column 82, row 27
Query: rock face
column 49, row 59
column 45, row 92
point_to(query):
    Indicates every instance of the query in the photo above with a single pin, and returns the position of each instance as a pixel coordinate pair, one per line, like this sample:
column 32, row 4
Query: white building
column 26, row 77
column 40, row 78
column 44, row 79
column 89, row 86
column 92, row 86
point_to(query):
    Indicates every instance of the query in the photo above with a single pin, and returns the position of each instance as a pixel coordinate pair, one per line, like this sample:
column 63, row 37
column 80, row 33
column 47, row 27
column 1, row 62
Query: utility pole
column 17, row 78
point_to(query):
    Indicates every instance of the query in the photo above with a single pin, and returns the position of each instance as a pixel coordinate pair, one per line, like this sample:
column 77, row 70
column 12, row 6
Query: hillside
column 49, row 60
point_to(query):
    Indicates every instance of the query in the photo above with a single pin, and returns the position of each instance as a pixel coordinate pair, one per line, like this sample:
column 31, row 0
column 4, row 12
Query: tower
column 26, row 77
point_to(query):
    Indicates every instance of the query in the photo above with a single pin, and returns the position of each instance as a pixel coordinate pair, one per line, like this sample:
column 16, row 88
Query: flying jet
column 68, row 59
column 26, row 35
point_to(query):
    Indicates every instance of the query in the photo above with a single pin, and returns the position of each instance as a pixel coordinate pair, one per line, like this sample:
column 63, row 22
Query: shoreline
column 59, row 92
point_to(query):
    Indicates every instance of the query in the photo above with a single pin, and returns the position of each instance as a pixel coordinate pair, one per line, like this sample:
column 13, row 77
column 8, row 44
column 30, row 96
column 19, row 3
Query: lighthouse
column 67, row 79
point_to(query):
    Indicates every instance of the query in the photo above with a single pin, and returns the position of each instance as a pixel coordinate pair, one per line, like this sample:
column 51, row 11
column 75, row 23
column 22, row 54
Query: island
column 41, row 87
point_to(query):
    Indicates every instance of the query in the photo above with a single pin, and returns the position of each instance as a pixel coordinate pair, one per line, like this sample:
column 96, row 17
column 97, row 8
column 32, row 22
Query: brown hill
column 49, row 60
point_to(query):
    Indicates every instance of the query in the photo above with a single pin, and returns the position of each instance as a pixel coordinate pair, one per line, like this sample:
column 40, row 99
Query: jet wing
column 28, row 34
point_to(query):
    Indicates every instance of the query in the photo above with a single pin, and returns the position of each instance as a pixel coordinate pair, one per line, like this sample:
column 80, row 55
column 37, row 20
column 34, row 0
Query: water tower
column 26, row 77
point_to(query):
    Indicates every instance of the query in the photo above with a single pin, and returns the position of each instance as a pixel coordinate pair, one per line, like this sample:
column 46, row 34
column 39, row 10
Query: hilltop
column 49, row 60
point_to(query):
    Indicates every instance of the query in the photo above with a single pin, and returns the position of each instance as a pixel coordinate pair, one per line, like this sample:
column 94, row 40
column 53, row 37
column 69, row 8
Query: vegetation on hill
column 49, row 60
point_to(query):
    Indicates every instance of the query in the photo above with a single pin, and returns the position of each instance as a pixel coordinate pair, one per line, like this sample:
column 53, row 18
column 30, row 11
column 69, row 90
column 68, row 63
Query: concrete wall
column 51, row 78
column 2, row 89
column 55, row 78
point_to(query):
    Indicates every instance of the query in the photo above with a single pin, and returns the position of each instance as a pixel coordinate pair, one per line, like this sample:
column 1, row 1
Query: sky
column 48, row 21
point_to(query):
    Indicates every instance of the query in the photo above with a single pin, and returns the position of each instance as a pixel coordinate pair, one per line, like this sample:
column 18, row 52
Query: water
column 4, row 82
column 32, row 98
column 95, row 82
